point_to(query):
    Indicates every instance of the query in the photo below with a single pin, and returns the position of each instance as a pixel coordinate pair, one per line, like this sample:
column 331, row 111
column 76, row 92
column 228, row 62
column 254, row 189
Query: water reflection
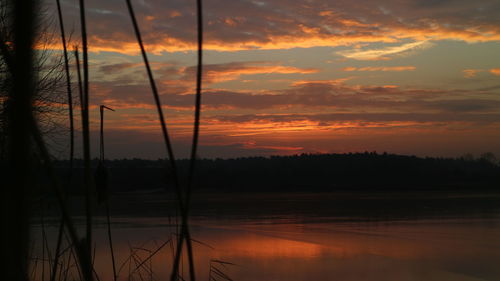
column 451, row 249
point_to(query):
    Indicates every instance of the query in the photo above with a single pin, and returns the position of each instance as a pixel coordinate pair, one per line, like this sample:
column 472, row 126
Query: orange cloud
column 326, row 13
column 380, row 68
column 351, row 22
column 384, row 53
column 303, row 96
column 302, row 37
column 214, row 76
column 174, row 14
column 469, row 73
column 255, row 25
column 308, row 37
column 214, row 73
column 266, row 128
column 170, row 44
column 253, row 145
column 495, row 71
column 321, row 82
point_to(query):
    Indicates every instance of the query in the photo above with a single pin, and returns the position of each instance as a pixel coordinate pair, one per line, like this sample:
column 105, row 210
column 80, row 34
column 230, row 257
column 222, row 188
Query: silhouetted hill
column 308, row 172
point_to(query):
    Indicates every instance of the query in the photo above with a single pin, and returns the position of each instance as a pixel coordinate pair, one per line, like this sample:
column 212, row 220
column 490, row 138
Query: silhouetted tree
column 488, row 157
column 50, row 91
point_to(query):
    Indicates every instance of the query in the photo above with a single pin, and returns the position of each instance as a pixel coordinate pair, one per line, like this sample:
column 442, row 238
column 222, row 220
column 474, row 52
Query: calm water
column 292, row 248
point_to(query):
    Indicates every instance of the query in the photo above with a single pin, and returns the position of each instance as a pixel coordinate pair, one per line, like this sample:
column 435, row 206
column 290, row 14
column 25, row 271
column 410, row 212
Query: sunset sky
column 287, row 76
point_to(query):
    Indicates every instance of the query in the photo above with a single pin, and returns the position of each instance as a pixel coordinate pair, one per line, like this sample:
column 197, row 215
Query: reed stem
column 166, row 138
column 86, row 129
column 102, row 166
column 185, row 205
column 71, row 132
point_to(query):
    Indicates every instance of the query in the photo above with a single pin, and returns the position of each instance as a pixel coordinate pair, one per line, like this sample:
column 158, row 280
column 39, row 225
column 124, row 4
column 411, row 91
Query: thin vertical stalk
column 79, row 76
column 101, row 134
column 81, row 250
column 196, row 130
column 27, row 117
column 101, row 139
column 110, row 239
column 86, row 271
column 68, row 87
column 194, row 147
column 58, row 250
column 86, row 129
column 71, row 132
column 156, row 96
column 101, row 148
column 74, row 257
column 45, row 243
column 197, row 112
column 166, row 138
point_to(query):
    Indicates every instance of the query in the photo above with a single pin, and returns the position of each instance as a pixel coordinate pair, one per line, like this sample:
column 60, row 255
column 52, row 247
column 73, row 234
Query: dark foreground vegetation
column 28, row 87
column 310, row 172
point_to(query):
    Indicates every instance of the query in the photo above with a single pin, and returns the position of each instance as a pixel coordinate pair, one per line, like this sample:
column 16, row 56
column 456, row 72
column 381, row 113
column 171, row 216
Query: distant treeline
column 306, row 172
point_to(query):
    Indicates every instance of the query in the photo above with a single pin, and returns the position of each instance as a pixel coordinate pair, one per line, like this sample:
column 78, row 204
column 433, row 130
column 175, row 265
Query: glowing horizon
column 284, row 77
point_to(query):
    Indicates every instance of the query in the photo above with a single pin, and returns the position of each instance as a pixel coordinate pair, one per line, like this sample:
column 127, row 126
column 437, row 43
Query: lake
column 295, row 237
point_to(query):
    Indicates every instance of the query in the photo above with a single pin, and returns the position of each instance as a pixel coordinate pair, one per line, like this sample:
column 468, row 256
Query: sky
column 281, row 77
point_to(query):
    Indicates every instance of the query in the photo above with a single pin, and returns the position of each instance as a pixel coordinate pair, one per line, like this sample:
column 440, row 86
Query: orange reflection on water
column 258, row 246
column 434, row 250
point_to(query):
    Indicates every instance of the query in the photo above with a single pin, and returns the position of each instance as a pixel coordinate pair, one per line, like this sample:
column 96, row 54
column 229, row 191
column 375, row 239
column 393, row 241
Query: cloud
column 117, row 67
column 214, row 73
column 168, row 27
column 380, row 68
column 322, row 82
column 121, row 83
column 385, row 53
column 424, row 139
column 306, row 107
column 300, row 116
column 495, row 71
column 326, row 118
column 300, row 96
column 470, row 73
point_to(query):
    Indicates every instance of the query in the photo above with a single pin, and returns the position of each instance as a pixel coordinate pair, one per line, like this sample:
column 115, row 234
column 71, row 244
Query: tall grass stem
column 71, row 131
column 86, row 129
